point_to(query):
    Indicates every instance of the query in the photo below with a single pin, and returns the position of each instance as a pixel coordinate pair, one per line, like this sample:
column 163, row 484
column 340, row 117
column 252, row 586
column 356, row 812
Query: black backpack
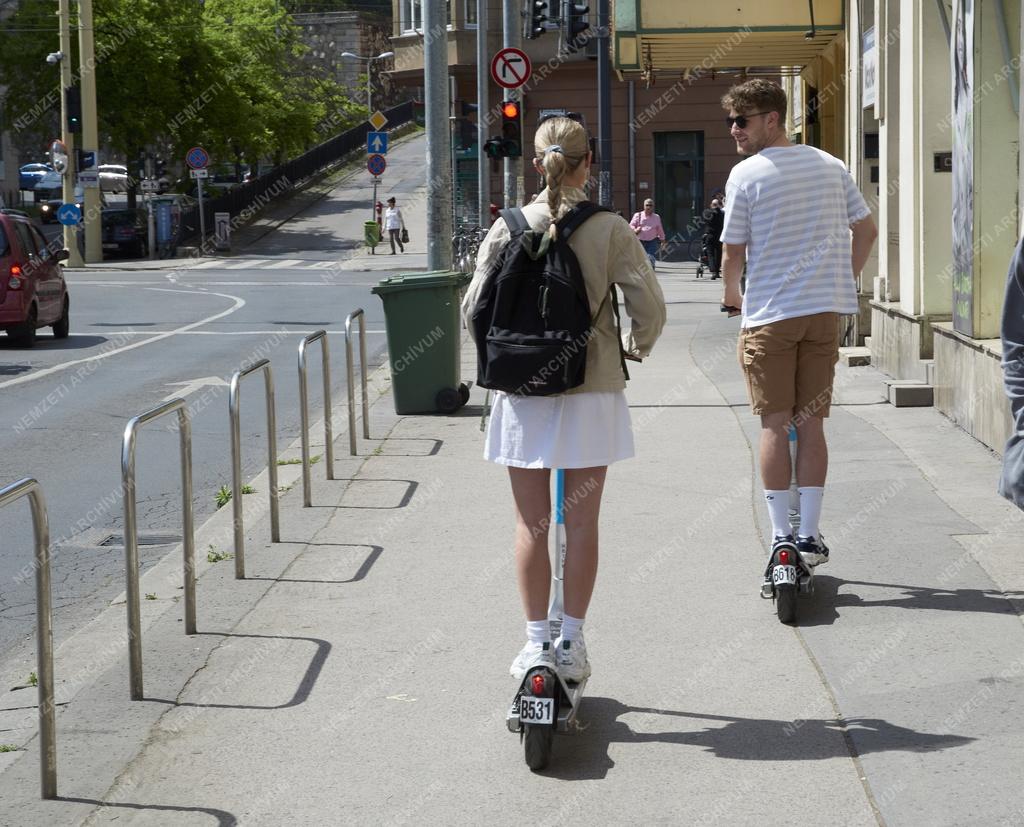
column 532, row 320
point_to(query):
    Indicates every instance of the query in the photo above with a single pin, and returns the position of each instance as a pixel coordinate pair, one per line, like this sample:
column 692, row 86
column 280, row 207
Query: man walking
column 789, row 213
column 647, row 226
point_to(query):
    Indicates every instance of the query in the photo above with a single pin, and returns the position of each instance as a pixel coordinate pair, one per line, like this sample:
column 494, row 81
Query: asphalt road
column 136, row 337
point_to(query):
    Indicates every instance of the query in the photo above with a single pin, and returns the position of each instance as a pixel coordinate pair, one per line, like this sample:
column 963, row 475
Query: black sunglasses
column 741, row 120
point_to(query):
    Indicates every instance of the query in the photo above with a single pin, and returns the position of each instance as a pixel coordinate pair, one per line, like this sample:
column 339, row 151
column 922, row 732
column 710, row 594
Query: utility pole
column 67, row 194
column 604, row 105
column 483, row 171
column 513, row 36
column 439, row 158
column 90, row 131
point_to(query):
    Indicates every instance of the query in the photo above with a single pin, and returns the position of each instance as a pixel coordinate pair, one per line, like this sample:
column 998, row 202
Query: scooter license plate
column 536, row 710
column 784, row 574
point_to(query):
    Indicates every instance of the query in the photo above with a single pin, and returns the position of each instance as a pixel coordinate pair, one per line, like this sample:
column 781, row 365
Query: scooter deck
column 568, row 706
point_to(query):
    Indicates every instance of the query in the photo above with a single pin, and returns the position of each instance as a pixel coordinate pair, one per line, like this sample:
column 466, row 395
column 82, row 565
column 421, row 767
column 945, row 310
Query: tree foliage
column 227, row 74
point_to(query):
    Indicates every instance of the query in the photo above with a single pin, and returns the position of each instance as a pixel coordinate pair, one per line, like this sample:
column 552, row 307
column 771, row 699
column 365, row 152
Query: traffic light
column 511, row 130
column 536, row 19
column 494, row 149
column 574, row 24
column 73, row 105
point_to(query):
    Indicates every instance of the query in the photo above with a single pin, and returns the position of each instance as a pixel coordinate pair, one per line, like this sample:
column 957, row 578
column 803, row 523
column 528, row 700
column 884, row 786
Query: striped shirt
column 793, row 206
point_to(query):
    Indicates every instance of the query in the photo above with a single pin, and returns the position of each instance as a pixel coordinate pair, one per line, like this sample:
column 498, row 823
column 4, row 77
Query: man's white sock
column 538, row 631
column 810, row 510
column 778, row 510
column 571, row 627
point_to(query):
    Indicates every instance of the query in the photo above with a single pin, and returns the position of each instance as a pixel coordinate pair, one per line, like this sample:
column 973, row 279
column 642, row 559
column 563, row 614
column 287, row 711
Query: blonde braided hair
column 560, row 145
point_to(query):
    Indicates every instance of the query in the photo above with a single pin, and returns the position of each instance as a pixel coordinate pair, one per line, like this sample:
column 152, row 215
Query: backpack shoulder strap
column 515, row 220
column 571, row 221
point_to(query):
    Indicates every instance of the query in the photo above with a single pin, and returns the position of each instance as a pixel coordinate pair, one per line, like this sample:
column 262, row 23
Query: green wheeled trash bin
column 421, row 315
column 371, row 234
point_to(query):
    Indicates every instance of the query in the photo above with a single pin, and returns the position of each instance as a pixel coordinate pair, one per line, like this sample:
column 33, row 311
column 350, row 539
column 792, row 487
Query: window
column 27, row 241
column 5, row 245
column 471, row 12
column 411, row 15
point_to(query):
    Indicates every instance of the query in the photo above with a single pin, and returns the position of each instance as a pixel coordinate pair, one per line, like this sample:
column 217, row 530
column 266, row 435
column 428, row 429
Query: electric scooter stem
column 557, row 605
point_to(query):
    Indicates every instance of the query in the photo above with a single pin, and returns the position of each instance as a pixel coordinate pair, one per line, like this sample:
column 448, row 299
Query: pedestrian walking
column 394, row 223
column 583, row 430
column 789, row 214
column 647, row 226
column 1011, row 484
column 714, row 220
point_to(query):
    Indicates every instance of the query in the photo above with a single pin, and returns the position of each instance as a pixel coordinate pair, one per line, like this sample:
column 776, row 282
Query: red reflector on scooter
column 538, row 684
column 784, row 557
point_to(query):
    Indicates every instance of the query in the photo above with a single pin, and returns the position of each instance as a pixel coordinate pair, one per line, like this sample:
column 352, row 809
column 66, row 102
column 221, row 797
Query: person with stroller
column 714, row 221
column 648, row 228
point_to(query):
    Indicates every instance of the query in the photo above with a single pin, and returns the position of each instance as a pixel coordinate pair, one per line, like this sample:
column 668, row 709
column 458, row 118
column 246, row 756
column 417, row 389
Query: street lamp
column 369, row 61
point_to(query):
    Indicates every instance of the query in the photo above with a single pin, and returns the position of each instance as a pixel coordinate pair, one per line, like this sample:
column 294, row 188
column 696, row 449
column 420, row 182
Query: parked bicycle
column 465, row 243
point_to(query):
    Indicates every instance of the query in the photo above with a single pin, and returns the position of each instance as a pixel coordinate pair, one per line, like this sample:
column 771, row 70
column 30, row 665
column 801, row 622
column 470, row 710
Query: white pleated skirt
column 578, row 430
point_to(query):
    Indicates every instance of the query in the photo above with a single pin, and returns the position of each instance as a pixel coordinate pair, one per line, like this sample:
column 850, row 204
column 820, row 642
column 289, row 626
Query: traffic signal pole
column 90, row 131
column 482, row 165
column 513, row 30
column 67, row 194
column 439, row 156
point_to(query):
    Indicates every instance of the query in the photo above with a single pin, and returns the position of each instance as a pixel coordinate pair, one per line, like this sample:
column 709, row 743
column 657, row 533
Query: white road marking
column 206, row 265
column 288, row 262
column 238, row 303
column 193, row 385
column 246, row 263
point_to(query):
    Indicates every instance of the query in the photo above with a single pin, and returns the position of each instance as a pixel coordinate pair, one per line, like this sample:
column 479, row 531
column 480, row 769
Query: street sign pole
column 91, row 196
column 483, row 171
column 150, row 225
column 202, row 217
column 68, row 182
column 439, row 172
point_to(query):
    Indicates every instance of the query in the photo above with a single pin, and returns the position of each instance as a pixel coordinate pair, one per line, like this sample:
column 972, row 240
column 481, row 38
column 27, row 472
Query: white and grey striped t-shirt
column 793, row 206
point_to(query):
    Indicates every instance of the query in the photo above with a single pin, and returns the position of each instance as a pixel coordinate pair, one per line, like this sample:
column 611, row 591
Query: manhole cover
column 144, row 540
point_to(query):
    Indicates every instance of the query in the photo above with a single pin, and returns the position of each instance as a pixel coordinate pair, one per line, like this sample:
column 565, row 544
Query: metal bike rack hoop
column 131, row 539
column 307, row 483
column 262, row 365
column 356, row 314
column 28, row 487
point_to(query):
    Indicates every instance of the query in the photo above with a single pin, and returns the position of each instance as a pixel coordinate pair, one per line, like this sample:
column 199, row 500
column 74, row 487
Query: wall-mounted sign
column 869, row 69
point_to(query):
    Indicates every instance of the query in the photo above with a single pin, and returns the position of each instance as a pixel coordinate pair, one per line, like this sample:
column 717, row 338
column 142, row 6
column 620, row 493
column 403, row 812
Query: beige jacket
column 608, row 253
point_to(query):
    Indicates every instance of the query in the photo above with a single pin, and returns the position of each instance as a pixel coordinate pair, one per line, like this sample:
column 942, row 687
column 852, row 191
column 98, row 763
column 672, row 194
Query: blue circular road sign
column 376, row 164
column 69, row 214
column 197, row 158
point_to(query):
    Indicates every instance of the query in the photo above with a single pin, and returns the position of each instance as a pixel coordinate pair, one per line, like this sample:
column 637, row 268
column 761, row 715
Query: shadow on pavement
column 224, row 818
column 433, row 450
column 585, row 755
column 821, row 609
column 361, row 572
column 45, row 343
column 302, row 692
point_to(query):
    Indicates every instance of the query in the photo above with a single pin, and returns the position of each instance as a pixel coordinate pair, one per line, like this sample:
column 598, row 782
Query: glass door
column 679, row 188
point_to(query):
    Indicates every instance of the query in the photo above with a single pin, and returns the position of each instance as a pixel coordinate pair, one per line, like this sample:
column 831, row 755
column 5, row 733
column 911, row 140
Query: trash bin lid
column 420, row 281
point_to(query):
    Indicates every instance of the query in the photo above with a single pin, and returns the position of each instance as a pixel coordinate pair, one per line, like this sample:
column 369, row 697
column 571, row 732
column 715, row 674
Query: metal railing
column 236, row 459
column 349, row 369
column 131, row 540
column 28, row 487
column 307, row 483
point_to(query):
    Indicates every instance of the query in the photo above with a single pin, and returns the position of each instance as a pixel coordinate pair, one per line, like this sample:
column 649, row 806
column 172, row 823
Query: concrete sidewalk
column 359, row 675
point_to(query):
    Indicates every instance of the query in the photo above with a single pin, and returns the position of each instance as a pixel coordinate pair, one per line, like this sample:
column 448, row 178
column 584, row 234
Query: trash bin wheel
column 463, row 393
column 448, row 400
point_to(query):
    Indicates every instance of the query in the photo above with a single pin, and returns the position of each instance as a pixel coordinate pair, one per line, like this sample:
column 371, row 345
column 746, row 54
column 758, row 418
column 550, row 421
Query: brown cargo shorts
column 789, row 365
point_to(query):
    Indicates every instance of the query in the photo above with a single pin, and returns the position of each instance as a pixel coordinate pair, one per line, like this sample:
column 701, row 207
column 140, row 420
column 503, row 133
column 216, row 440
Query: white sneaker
column 571, row 660
column 532, row 654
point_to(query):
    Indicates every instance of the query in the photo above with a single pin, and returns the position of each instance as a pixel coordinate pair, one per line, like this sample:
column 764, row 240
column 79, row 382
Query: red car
column 33, row 292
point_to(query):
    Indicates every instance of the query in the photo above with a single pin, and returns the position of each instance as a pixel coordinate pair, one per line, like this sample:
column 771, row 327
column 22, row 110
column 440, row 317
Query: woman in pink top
column 647, row 226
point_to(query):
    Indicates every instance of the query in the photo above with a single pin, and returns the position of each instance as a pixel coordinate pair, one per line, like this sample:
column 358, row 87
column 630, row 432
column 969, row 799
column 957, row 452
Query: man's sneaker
column 813, row 551
column 767, row 587
column 533, row 654
column 571, row 660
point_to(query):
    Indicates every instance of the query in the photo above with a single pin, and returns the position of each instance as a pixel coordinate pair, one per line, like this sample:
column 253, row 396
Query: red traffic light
column 510, row 109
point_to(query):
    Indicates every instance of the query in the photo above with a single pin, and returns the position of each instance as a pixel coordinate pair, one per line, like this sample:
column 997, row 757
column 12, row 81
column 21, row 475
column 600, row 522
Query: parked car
column 49, row 181
column 33, row 292
column 124, row 231
column 30, row 174
column 113, row 177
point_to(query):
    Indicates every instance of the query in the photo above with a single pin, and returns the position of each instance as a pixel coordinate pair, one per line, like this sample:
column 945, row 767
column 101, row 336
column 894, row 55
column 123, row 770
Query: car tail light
column 14, row 282
column 784, row 557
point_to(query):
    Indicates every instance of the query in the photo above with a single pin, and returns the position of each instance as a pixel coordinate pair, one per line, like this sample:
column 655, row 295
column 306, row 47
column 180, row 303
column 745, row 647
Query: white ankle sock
column 538, row 631
column 778, row 510
column 571, row 627
column 810, row 510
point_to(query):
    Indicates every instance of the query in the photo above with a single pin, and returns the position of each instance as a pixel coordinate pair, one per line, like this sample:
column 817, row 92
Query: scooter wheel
column 537, row 741
column 785, row 602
